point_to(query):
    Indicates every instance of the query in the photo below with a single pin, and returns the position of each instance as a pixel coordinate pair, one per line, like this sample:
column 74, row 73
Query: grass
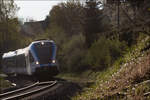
column 117, row 81
column 4, row 84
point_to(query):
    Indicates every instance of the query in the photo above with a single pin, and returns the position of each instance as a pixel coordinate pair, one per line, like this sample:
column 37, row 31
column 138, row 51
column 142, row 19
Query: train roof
column 37, row 41
column 14, row 53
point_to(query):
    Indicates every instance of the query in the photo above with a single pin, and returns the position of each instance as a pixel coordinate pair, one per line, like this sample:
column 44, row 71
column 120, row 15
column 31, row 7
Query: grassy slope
column 121, row 80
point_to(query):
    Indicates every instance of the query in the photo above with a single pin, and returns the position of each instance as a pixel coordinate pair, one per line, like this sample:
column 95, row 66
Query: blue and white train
column 38, row 58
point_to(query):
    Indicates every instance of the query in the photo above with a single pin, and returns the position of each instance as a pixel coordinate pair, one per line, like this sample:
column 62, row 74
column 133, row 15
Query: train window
column 10, row 62
column 31, row 57
column 45, row 52
column 21, row 61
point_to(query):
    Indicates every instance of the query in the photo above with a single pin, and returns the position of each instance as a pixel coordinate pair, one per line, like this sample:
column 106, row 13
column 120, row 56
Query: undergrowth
column 117, row 82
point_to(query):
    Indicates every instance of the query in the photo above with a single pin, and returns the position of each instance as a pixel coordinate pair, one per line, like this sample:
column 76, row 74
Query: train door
column 9, row 65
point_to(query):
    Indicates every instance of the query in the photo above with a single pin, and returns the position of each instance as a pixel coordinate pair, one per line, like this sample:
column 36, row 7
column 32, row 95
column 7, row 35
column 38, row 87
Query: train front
column 44, row 55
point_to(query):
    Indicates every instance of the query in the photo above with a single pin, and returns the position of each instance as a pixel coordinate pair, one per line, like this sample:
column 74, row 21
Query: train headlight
column 37, row 62
column 42, row 43
column 53, row 61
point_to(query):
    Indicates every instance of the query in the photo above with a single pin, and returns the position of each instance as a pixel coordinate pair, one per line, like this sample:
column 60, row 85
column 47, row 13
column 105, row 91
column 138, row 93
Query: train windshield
column 45, row 52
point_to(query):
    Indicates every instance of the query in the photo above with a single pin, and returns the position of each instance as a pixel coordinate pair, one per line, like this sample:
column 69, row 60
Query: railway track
column 28, row 91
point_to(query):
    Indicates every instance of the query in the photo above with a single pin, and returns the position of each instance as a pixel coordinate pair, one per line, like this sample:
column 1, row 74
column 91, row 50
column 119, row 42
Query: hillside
column 128, row 79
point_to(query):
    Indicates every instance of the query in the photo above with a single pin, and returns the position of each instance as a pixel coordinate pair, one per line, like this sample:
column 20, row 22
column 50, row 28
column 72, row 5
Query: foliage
column 104, row 52
column 10, row 38
column 68, row 16
column 57, row 34
column 74, row 53
column 75, row 18
column 10, row 35
column 7, row 9
column 119, row 81
column 92, row 25
column 8, row 25
column 72, row 24
column 98, row 55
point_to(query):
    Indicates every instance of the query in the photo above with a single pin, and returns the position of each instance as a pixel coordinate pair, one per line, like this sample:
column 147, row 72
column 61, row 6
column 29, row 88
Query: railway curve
column 28, row 92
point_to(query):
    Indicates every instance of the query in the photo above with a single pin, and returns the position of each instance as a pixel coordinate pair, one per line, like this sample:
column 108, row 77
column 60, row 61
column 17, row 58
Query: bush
column 73, row 54
column 117, row 49
column 98, row 54
column 104, row 52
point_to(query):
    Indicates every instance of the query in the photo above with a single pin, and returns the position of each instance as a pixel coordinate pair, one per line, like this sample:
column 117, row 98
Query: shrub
column 98, row 54
column 116, row 49
column 104, row 52
column 73, row 54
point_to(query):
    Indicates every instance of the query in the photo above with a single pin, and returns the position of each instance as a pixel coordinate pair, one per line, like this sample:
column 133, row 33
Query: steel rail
column 32, row 92
column 19, row 90
column 43, row 83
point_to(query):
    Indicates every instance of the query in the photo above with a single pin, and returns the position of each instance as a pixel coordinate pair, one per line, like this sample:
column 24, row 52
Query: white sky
column 36, row 9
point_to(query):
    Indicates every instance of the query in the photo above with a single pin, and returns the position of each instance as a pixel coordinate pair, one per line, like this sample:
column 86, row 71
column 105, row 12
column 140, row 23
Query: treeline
column 81, row 31
column 86, row 36
column 10, row 38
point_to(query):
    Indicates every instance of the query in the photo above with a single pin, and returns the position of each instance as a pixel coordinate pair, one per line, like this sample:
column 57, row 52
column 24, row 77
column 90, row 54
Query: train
column 38, row 58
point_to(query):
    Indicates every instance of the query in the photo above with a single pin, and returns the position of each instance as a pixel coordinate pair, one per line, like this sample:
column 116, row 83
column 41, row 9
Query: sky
column 35, row 9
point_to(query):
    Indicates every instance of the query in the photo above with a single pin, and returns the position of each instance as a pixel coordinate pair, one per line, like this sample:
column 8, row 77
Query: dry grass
column 123, row 85
column 122, row 81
